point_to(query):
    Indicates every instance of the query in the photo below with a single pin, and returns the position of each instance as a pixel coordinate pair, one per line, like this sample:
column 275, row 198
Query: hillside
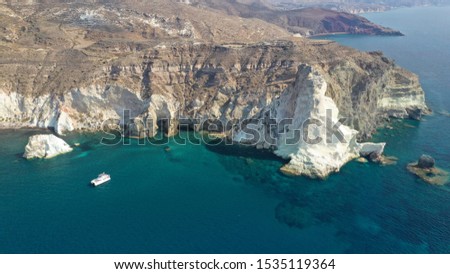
column 314, row 21
column 307, row 21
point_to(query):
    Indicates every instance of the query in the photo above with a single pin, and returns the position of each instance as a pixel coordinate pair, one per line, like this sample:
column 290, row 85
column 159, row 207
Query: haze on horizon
column 372, row 2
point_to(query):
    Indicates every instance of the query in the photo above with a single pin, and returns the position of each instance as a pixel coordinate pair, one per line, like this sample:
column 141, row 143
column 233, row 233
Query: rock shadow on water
column 87, row 146
column 315, row 206
column 242, row 151
column 389, row 160
column 368, row 225
column 258, row 168
column 90, row 141
column 444, row 113
column 83, row 154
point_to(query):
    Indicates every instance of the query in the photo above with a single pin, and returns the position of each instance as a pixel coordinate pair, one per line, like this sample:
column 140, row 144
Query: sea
column 209, row 198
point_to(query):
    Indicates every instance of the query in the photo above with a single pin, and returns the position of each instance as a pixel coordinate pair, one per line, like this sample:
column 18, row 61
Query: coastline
column 328, row 34
column 405, row 7
column 217, row 199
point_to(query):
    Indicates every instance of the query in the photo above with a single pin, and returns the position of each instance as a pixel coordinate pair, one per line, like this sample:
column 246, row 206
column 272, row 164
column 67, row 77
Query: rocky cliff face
column 203, row 81
column 74, row 67
column 302, row 125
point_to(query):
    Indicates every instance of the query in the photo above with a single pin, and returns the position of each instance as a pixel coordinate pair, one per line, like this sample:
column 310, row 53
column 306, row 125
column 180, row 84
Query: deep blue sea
column 215, row 199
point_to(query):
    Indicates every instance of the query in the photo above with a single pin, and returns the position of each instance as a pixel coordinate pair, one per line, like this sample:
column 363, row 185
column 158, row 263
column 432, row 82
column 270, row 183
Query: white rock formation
column 80, row 109
column 306, row 139
column 64, row 124
column 366, row 149
column 45, row 146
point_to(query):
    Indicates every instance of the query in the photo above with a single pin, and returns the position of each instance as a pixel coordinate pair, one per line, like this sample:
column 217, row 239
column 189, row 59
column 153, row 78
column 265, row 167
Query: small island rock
column 426, row 170
column 45, row 147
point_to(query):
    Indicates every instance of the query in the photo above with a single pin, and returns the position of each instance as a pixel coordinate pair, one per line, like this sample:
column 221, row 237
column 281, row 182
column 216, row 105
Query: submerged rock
column 362, row 160
column 375, row 157
column 388, row 160
column 426, row 170
column 295, row 215
column 249, row 161
column 45, row 146
column 379, row 159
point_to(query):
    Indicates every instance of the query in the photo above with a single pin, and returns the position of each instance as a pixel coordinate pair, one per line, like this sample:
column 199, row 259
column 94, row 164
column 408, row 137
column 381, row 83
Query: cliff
column 303, row 125
column 204, row 81
column 73, row 67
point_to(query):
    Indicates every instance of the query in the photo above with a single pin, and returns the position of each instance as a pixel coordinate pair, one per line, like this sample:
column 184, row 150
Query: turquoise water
column 214, row 199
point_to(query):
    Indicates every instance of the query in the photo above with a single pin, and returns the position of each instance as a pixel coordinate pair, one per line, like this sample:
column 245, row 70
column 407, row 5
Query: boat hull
column 101, row 180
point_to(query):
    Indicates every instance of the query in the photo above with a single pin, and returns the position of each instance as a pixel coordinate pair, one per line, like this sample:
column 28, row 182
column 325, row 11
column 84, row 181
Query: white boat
column 101, row 179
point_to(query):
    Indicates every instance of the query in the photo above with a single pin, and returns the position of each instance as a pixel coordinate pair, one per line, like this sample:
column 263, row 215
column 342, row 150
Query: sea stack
column 306, row 100
column 45, row 147
column 426, row 170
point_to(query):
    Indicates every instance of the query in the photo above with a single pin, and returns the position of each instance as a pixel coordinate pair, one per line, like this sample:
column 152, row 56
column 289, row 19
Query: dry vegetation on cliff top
column 60, row 45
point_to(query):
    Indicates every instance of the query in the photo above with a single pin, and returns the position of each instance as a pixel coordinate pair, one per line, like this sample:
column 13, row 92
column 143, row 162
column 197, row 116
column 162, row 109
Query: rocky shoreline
column 304, row 100
column 89, row 69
